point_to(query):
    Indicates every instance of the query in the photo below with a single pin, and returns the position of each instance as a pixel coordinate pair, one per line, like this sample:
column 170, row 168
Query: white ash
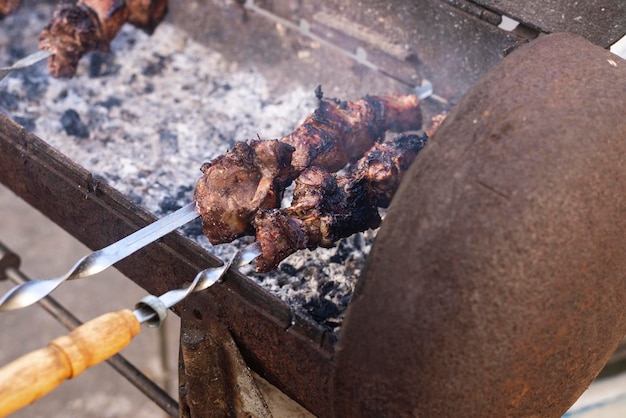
column 144, row 117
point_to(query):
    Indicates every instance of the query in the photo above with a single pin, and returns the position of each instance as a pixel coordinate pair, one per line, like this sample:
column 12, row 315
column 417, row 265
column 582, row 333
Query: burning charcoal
column 169, row 204
column 193, row 229
column 8, row 6
column 102, row 64
column 28, row 123
column 8, row 101
column 321, row 309
column 155, row 67
column 91, row 25
column 110, row 103
column 252, row 177
column 73, row 125
column 288, row 269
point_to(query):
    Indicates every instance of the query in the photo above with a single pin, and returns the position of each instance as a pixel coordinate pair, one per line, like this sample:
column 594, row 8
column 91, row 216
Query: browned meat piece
column 91, row 25
column 146, row 14
column 384, row 165
column 401, row 112
column 73, row 31
column 8, row 6
column 78, row 29
column 340, row 132
column 236, row 184
column 435, row 122
column 336, row 133
column 112, row 14
column 327, row 207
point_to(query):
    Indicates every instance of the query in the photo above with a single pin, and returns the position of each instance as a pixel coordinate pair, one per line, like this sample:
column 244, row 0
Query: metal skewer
column 9, row 269
column 25, row 62
column 152, row 310
column 31, row 292
column 37, row 373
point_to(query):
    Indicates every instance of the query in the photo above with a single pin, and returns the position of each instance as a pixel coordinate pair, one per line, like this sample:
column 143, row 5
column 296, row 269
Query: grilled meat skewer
column 8, row 6
column 91, row 25
column 254, row 175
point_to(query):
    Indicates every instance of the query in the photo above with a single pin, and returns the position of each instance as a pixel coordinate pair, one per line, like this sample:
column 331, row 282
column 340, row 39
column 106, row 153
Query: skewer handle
column 35, row 374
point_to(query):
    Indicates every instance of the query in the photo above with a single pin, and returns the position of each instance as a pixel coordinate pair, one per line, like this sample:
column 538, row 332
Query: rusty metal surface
column 214, row 380
column 97, row 215
column 410, row 40
column 497, row 284
column 601, row 21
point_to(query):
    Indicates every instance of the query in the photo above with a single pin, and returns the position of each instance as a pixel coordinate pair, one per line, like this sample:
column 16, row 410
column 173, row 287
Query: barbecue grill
column 351, row 49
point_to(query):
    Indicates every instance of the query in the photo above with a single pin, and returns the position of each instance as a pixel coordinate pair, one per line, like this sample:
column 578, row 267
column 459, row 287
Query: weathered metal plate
column 602, row 21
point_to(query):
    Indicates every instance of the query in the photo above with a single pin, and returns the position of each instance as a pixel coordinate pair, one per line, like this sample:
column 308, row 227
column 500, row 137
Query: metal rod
column 118, row 362
column 32, row 291
column 25, row 62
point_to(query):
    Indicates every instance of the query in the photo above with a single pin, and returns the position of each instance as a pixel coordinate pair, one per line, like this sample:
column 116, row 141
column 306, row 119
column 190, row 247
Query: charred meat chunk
column 73, row 32
column 327, row 206
column 337, row 133
column 146, row 14
column 236, row 184
column 384, row 165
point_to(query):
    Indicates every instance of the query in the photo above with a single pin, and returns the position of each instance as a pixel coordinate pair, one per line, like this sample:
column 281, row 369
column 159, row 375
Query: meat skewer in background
column 327, row 206
column 89, row 25
column 254, row 175
column 8, row 6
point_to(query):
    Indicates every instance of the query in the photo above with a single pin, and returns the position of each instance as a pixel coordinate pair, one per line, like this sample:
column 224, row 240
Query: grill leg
column 214, row 380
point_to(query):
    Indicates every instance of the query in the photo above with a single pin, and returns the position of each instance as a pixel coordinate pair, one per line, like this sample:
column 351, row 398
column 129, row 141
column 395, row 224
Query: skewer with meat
column 327, row 206
column 8, row 6
column 89, row 25
column 254, row 175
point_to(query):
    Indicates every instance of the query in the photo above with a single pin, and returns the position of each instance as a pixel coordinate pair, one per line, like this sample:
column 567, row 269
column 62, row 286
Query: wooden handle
column 35, row 374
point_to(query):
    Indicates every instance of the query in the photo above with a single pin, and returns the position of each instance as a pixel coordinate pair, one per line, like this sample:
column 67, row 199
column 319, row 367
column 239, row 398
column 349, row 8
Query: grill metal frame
column 290, row 350
column 97, row 215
